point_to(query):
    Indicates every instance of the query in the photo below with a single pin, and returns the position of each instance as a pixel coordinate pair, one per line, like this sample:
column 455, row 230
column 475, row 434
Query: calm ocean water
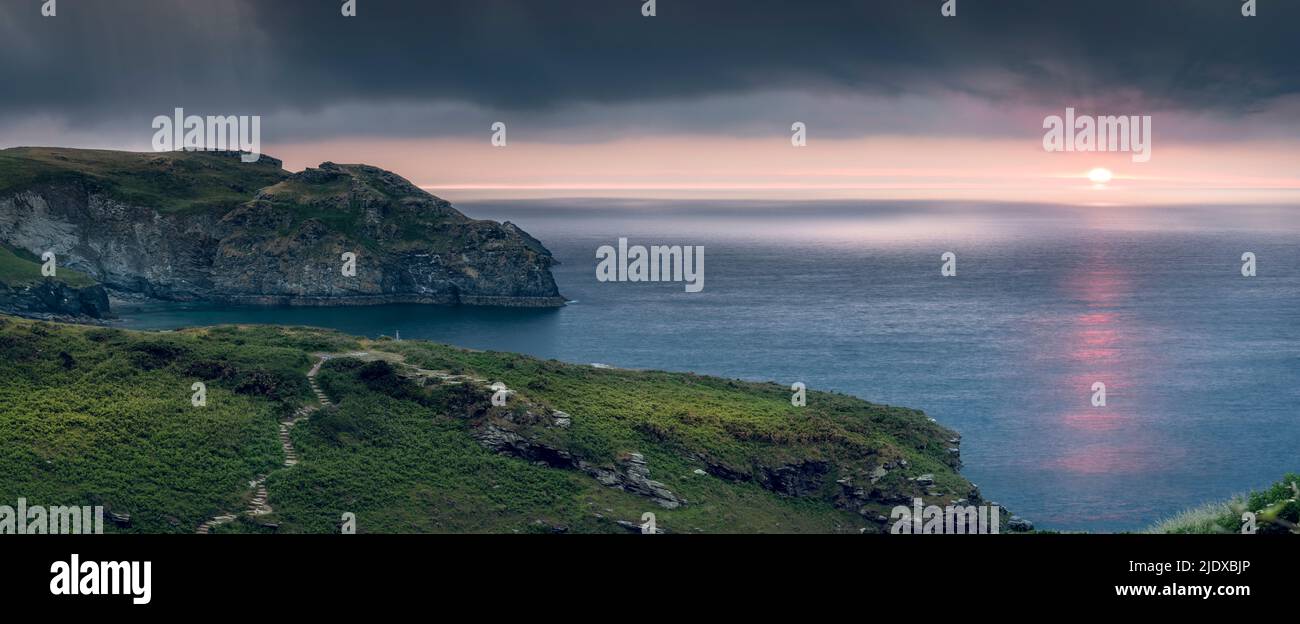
column 1200, row 364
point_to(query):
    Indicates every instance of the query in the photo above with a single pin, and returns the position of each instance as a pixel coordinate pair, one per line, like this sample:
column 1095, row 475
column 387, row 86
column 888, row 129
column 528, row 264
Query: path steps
column 258, row 506
column 213, row 522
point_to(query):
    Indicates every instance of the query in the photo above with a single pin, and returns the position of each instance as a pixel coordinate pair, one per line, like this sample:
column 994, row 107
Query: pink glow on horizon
column 870, row 168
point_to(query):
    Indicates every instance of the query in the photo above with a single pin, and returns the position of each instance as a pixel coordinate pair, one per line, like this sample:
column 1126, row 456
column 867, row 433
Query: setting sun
column 1100, row 175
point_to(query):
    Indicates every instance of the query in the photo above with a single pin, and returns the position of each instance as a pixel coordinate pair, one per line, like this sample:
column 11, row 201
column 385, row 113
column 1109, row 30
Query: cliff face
column 54, row 300
column 205, row 226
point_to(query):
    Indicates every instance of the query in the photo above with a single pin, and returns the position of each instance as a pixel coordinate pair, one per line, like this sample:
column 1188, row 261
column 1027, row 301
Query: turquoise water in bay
column 1200, row 363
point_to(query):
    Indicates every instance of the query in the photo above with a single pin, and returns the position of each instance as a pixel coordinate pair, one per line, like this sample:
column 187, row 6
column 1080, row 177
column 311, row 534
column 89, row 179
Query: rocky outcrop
column 797, row 478
column 520, row 432
column 631, row 474
column 50, row 299
column 206, row 227
column 803, row 478
column 869, row 493
column 506, row 442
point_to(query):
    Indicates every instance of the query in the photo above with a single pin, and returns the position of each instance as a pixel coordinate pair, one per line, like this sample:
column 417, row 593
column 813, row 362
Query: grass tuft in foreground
column 1276, row 510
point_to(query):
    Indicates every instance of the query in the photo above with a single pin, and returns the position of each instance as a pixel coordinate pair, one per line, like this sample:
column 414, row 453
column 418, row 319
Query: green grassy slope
column 19, row 268
column 101, row 416
column 94, row 416
column 166, row 181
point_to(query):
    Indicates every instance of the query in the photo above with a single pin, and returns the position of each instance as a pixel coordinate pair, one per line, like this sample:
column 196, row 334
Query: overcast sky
column 598, row 97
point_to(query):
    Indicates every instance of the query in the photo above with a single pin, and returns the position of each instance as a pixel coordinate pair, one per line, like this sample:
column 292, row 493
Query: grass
column 404, row 466
column 103, row 416
column 171, row 182
column 1276, row 510
column 743, row 426
column 20, row 268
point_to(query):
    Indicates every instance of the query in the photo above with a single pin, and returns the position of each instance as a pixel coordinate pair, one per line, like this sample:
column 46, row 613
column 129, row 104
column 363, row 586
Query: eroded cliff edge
column 204, row 226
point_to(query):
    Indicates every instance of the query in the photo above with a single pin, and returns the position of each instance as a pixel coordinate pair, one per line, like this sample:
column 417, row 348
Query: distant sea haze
column 1199, row 362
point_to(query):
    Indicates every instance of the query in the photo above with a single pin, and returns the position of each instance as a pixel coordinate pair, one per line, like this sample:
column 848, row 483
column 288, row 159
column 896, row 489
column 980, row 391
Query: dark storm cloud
column 538, row 53
column 127, row 60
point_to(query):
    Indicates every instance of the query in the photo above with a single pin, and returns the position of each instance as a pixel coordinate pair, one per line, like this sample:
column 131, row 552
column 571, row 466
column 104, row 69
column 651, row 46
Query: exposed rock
column 796, row 479
column 802, row 478
column 53, row 300
column 1020, row 525
column 878, row 473
column 515, row 432
column 511, row 443
column 633, row 527
column 633, row 475
column 720, row 470
column 277, row 238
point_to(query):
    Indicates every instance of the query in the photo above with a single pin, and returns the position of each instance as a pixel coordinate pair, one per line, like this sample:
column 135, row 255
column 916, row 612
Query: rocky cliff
column 54, row 300
column 207, row 227
column 25, row 290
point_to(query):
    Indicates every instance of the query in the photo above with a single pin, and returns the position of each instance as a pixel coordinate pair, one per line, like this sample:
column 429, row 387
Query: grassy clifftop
column 69, row 294
column 167, row 181
column 20, row 268
column 412, row 442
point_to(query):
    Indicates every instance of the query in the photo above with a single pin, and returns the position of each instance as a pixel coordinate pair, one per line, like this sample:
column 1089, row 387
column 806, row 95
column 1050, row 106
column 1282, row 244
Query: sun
column 1100, row 175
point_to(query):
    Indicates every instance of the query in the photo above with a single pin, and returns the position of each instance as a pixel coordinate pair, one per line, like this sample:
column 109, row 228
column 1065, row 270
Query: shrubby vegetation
column 400, row 457
column 1276, row 509
column 103, row 417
